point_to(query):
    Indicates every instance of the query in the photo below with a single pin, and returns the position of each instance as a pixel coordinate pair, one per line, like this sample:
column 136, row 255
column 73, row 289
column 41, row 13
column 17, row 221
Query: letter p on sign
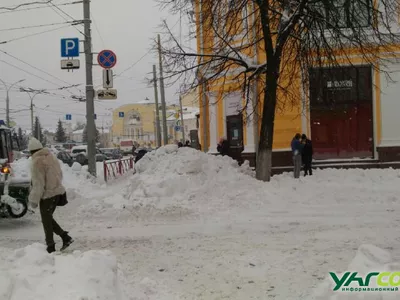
column 70, row 47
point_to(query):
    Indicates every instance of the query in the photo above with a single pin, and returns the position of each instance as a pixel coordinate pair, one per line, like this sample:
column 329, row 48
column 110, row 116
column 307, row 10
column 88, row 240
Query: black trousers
column 50, row 226
column 307, row 161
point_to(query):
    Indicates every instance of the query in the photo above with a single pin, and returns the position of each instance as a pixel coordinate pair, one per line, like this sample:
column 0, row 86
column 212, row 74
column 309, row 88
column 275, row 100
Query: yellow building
column 348, row 112
column 134, row 122
column 137, row 122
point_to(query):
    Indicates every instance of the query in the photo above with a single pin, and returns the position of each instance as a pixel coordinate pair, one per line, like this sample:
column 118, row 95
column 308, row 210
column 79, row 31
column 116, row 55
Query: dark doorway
column 234, row 126
column 342, row 112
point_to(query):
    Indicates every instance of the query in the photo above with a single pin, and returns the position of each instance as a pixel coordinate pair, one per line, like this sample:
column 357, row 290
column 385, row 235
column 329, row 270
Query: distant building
column 135, row 122
column 77, row 136
column 105, row 137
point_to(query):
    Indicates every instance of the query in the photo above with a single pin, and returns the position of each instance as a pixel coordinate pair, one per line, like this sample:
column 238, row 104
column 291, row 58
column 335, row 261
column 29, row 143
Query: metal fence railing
column 116, row 168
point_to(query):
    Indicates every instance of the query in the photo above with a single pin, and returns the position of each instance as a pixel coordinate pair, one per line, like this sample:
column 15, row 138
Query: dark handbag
column 62, row 200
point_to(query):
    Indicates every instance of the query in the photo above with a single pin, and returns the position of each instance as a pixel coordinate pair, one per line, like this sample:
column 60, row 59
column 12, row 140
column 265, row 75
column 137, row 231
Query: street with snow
column 189, row 225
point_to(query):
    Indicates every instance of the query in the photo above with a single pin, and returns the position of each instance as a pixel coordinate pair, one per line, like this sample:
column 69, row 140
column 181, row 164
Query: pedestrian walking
column 133, row 150
column 307, row 155
column 296, row 151
column 47, row 192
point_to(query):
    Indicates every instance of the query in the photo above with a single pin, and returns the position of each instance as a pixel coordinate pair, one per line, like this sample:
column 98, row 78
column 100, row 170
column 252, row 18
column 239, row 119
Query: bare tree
column 268, row 48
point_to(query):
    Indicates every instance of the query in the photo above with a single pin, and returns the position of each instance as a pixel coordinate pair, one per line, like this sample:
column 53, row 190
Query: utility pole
column 32, row 94
column 182, row 124
column 91, row 126
column 158, row 127
column 162, row 90
column 8, row 99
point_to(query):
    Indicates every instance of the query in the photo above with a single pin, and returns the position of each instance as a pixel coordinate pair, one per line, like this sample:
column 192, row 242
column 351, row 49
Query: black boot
column 67, row 241
column 51, row 249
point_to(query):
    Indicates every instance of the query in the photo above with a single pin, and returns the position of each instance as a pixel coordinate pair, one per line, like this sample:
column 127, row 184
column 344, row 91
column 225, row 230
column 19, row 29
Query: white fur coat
column 46, row 176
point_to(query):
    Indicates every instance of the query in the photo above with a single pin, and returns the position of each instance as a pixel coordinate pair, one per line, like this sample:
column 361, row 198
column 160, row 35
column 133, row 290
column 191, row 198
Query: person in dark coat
column 296, row 146
column 223, row 147
column 140, row 155
column 307, row 155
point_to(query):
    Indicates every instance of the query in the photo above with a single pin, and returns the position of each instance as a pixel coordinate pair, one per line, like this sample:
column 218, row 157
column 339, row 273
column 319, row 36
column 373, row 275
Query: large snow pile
column 186, row 178
column 368, row 259
column 31, row 274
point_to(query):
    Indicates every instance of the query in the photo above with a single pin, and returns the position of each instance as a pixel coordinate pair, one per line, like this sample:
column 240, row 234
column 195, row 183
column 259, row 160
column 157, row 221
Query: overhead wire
column 35, row 26
column 25, row 4
column 39, row 7
column 55, row 8
column 33, row 34
column 131, row 66
column 46, row 94
column 141, row 58
column 52, row 5
column 40, row 70
column 27, row 72
column 63, row 112
column 98, row 31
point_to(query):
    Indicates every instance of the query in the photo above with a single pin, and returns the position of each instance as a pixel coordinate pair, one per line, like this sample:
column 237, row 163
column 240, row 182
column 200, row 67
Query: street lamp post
column 32, row 96
column 8, row 99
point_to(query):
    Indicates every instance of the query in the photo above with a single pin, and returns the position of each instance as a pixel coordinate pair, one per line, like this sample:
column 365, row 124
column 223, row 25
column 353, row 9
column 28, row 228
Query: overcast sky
column 124, row 26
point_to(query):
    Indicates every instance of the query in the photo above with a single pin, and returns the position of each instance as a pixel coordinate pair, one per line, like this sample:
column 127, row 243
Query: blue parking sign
column 70, row 47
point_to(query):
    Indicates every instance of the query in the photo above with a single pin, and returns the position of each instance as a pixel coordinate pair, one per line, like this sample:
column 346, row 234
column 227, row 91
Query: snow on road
column 193, row 226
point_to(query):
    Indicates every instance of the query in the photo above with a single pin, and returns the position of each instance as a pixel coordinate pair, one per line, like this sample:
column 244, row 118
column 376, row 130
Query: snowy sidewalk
column 235, row 238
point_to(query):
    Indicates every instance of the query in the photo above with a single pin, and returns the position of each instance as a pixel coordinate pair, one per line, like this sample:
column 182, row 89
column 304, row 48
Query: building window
column 348, row 13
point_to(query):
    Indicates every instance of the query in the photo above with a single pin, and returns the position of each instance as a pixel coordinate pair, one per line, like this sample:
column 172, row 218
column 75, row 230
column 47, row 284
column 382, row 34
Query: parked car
column 79, row 153
column 112, row 153
column 66, row 158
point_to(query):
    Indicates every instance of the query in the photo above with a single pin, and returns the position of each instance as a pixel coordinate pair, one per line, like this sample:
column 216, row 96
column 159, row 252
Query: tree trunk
column 264, row 158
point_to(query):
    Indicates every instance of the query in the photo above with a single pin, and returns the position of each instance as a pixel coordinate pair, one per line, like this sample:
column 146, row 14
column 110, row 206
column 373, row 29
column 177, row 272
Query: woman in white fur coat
column 47, row 191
